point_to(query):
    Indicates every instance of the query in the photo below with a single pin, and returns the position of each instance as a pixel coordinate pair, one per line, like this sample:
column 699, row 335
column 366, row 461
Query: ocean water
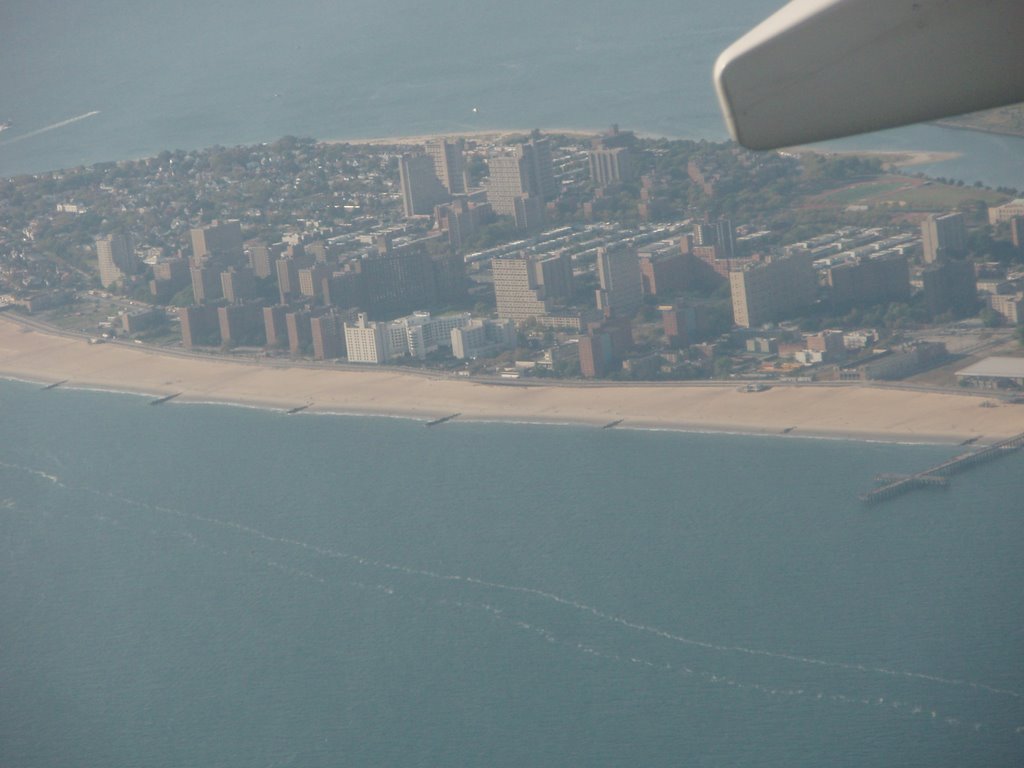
column 218, row 586
column 111, row 79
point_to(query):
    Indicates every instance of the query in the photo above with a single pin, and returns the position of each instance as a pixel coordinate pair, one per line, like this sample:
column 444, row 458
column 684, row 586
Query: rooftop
column 996, row 367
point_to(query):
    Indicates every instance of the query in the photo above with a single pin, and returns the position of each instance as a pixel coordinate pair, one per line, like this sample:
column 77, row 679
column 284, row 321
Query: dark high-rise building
column 221, row 241
column 199, row 326
column 238, row 284
column 663, row 269
column 344, row 289
column 288, row 267
column 869, row 281
column 462, row 219
column 943, row 236
column 717, row 233
column 595, row 354
column 421, row 189
column 241, row 324
column 396, row 281
column 773, row 290
column 618, row 271
column 449, row 163
column 449, row 273
column 300, row 335
column 328, row 335
column 542, row 168
column 169, row 277
column 275, row 327
column 206, row 285
column 312, row 281
column 684, row 323
column 950, row 286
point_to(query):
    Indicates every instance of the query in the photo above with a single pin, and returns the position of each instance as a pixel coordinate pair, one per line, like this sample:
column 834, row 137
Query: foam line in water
column 33, row 471
column 596, row 612
column 500, row 614
column 549, row 597
column 714, row 678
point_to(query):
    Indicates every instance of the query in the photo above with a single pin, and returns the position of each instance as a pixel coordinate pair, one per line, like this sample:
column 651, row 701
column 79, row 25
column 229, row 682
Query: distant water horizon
column 134, row 80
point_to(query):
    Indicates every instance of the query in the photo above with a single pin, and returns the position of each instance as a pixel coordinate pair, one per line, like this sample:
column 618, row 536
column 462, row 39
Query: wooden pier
column 895, row 485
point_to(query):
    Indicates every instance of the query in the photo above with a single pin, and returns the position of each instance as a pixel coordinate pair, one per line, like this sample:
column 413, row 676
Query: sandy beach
column 856, row 412
column 484, row 136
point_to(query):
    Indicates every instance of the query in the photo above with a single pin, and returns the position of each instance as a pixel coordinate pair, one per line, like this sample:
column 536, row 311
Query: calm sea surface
column 215, row 586
column 112, row 79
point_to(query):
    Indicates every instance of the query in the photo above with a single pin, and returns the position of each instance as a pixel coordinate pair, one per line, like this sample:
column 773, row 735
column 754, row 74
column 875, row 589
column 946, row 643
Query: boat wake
column 48, row 128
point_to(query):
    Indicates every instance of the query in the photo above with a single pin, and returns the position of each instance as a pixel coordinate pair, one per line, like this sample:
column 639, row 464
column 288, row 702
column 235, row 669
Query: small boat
column 5, row 125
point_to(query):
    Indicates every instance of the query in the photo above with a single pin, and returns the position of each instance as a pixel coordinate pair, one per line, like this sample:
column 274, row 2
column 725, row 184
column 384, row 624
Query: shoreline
column 861, row 413
column 484, row 134
column 682, row 428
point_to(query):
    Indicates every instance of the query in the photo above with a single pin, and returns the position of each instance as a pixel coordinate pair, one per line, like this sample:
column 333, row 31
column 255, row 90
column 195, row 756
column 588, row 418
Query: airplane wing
column 821, row 69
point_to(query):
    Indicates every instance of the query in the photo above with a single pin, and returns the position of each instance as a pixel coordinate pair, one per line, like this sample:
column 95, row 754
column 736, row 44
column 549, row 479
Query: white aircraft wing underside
column 820, row 69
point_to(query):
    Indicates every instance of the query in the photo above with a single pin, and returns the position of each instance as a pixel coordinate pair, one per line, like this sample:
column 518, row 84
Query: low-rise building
column 483, row 338
column 994, row 373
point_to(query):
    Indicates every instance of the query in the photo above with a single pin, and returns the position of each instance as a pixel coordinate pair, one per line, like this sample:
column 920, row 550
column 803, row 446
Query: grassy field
column 905, row 193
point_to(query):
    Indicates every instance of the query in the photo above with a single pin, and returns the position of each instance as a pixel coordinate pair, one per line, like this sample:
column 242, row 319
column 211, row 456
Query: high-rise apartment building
column 663, row 268
column 206, row 285
column 199, row 326
column 241, row 324
column 220, row 240
column 274, row 325
column 300, row 335
column 950, row 287
column 397, row 280
column 364, row 341
column 328, row 335
column 943, row 236
column 462, row 219
column 238, row 284
column 526, row 286
column 312, row 281
column 169, row 277
column 449, row 163
column 421, row 189
column 719, row 234
column 621, row 289
column 610, row 165
column 262, row 257
column 770, row 291
column 522, row 172
column 869, row 281
column 115, row 257
column 507, row 181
